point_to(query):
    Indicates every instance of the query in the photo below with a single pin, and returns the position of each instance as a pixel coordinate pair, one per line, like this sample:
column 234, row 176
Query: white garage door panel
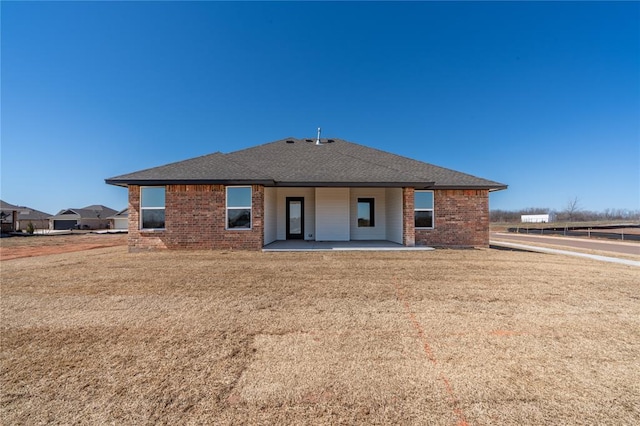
column 121, row 223
column 332, row 214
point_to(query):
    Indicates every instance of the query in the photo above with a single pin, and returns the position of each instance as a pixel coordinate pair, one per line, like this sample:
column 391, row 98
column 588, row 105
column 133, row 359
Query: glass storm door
column 295, row 218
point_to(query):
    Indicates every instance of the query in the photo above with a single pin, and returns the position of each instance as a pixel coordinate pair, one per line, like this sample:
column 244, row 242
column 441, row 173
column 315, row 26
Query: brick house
column 17, row 218
column 307, row 189
column 95, row 216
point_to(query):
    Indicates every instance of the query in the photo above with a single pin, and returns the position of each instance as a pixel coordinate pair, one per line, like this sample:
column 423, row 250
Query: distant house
column 307, row 189
column 120, row 220
column 537, row 218
column 90, row 217
column 8, row 216
column 17, row 218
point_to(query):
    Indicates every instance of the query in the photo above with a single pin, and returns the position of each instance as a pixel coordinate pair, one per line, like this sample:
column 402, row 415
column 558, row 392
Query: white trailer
column 535, row 218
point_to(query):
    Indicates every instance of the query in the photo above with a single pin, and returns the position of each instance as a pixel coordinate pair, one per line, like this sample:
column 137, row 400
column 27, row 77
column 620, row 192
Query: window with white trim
column 423, row 209
column 152, row 206
column 238, row 207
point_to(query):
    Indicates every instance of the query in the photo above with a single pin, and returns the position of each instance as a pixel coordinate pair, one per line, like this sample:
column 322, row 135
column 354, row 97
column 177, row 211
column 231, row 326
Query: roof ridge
column 256, row 146
column 421, row 162
column 378, row 164
column 280, row 162
column 169, row 164
column 228, row 158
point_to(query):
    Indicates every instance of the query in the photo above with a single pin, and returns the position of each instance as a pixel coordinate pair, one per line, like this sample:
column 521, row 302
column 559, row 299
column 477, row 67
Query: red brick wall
column 408, row 222
column 195, row 218
column 461, row 219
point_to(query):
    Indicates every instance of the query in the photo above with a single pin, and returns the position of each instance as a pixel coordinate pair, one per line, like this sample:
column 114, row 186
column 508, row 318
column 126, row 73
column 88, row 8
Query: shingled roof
column 301, row 162
column 24, row 213
column 95, row 211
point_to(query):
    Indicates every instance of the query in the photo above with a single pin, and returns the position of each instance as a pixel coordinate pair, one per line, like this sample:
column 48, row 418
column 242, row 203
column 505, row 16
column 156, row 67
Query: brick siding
column 195, row 218
column 461, row 219
column 408, row 222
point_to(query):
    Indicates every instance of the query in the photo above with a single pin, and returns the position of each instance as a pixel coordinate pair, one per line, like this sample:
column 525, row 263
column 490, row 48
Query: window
column 238, row 207
column 423, row 206
column 152, row 207
column 366, row 213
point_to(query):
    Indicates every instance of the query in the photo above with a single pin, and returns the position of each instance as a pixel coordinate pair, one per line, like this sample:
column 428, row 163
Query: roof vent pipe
column 318, row 140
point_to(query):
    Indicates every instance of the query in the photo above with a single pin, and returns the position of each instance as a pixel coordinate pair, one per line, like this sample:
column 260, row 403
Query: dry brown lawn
column 447, row 337
column 39, row 245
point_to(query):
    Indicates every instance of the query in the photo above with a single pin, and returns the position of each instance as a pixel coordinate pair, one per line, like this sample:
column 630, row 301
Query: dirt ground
column 451, row 337
column 38, row 245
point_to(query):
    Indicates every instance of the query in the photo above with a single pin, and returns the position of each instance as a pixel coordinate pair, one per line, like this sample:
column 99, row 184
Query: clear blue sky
column 544, row 97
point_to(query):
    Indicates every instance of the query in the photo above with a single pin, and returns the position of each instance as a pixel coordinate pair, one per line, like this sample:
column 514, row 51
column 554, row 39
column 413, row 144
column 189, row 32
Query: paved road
column 611, row 246
column 582, row 233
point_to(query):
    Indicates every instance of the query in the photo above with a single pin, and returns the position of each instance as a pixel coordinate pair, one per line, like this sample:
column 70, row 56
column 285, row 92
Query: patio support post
column 408, row 224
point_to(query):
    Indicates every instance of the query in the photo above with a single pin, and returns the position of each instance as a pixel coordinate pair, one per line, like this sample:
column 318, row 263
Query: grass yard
column 448, row 337
column 38, row 245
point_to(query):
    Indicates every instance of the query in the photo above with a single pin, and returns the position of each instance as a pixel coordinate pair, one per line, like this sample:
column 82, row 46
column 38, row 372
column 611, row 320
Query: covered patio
column 369, row 245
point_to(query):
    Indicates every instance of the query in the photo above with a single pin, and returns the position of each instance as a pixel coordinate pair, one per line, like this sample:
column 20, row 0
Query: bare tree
column 578, row 214
column 572, row 209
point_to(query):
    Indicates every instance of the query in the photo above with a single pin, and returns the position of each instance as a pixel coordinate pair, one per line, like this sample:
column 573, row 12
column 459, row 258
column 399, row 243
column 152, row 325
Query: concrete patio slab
column 377, row 245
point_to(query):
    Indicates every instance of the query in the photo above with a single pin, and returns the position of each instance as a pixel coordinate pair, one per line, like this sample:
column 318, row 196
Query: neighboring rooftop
column 302, row 162
column 6, row 206
column 122, row 214
column 23, row 212
column 95, row 211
